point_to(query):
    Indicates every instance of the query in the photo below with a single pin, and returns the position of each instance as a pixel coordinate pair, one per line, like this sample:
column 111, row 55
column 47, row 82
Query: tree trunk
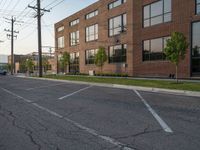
column 176, row 73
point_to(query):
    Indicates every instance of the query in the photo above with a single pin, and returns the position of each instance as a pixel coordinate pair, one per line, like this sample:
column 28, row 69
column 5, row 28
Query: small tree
column 45, row 63
column 8, row 67
column 100, row 58
column 64, row 61
column 22, row 66
column 29, row 65
column 176, row 49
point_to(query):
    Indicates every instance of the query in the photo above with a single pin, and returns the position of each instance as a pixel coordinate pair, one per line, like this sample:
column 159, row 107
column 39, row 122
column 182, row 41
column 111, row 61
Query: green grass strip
column 189, row 86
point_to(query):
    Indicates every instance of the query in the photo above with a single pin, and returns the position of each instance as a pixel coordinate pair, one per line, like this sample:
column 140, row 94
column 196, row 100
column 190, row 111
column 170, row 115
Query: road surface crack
column 27, row 132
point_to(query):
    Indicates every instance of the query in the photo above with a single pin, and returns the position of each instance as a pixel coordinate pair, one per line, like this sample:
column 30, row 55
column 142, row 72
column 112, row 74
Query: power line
column 50, row 3
column 57, row 4
column 28, row 35
column 17, row 3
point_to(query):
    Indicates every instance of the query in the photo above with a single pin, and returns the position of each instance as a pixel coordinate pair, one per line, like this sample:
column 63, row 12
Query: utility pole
column 13, row 20
column 39, row 14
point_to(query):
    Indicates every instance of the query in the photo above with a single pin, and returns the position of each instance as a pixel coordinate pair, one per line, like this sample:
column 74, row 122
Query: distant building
column 19, row 62
column 17, row 58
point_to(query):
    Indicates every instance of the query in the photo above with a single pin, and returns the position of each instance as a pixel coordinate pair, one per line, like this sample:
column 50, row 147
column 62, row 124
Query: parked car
column 3, row 71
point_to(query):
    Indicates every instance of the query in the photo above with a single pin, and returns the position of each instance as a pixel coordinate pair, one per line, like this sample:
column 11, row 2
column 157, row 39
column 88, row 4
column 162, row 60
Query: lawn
column 189, row 86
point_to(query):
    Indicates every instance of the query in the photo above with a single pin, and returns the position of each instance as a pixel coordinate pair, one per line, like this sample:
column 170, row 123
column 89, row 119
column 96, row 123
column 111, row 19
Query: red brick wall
column 183, row 13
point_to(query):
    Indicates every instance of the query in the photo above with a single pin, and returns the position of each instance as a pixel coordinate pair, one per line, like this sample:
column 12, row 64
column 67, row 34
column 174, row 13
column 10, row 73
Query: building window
column 74, row 22
column 116, row 3
column 74, row 38
column 196, row 48
column 197, row 7
column 92, row 14
column 156, row 13
column 61, row 42
column 153, row 49
column 60, row 29
column 117, row 53
column 117, row 25
column 90, row 56
column 92, row 33
column 74, row 62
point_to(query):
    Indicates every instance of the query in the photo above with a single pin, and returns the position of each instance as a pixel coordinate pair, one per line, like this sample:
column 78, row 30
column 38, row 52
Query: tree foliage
column 45, row 63
column 100, row 57
column 176, row 49
column 29, row 64
column 64, row 61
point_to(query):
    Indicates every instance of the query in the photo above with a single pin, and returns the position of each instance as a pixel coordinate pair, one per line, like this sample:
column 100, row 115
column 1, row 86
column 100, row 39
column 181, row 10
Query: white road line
column 86, row 129
column 40, row 87
column 165, row 127
column 13, row 94
column 71, row 94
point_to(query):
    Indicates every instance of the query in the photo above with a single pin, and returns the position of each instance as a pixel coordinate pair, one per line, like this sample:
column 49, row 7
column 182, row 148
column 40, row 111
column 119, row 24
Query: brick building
column 134, row 34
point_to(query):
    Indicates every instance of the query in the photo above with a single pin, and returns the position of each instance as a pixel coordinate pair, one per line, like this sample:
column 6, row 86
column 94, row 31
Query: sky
column 26, row 24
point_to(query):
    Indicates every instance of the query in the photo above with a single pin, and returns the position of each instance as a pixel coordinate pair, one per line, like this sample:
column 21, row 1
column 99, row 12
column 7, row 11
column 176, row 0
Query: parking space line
column 13, row 94
column 78, row 125
column 71, row 94
column 40, row 87
column 162, row 123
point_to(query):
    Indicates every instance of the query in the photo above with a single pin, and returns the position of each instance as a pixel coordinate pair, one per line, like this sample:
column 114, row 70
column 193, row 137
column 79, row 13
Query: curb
column 118, row 86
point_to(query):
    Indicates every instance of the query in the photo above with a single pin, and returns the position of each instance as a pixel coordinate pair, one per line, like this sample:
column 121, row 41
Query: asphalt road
column 48, row 115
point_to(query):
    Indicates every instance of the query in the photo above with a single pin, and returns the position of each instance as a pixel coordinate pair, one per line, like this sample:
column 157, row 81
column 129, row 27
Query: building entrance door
column 196, row 49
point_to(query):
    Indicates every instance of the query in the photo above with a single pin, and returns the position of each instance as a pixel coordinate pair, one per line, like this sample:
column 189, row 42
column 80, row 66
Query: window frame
column 162, row 15
column 88, row 60
column 77, row 38
column 62, row 42
column 74, row 22
column 112, row 3
column 60, row 28
column 95, row 13
column 150, row 51
column 96, row 36
column 121, row 57
column 196, row 7
column 123, row 26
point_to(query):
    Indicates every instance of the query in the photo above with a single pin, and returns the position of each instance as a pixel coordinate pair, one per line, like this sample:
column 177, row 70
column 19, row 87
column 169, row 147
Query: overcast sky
column 26, row 41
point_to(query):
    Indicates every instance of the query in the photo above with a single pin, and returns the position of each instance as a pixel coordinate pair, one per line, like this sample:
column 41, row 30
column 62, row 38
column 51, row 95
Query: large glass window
column 74, row 62
column 153, row 49
column 117, row 25
column 74, row 38
column 92, row 14
column 197, row 6
column 60, row 42
column 156, row 13
column 74, row 22
column 196, row 47
column 116, row 3
column 92, row 33
column 117, row 53
column 90, row 56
